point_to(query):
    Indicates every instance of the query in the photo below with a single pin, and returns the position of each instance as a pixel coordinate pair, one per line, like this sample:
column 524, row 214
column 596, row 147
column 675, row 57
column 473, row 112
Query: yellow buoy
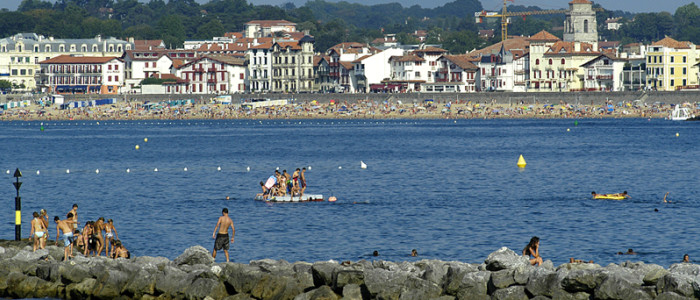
column 145, row 140
column 521, row 162
column 676, row 133
column 568, row 129
column 137, row 147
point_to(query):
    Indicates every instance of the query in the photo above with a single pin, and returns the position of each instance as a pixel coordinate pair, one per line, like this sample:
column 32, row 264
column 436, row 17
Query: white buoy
column 128, row 171
column 278, row 168
column 340, row 167
column 8, row 171
column 309, row 168
column 247, row 169
column 218, row 168
column 185, row 169
column 67, row 171
column 37, row 172
column 363, row 165
column 97, row 171
column 155, row 170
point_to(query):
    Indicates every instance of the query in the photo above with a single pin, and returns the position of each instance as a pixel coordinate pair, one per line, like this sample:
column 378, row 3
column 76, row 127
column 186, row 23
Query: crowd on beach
column 368, row 109
column 90, row 241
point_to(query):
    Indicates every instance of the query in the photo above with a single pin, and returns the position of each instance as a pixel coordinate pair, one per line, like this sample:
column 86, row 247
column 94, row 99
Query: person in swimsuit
column 44, row 219
column 38, row 231
column 302, row 181
column 533, row 249
column 295, row 183
column 74, row 211
column 110, row 237
column 120, row 250
column 99, row 227
column 66, row 226
column 87, row 238
column 221, row 236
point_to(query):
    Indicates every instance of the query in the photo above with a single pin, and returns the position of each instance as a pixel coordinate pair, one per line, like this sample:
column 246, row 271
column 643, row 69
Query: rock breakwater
column 195, row 275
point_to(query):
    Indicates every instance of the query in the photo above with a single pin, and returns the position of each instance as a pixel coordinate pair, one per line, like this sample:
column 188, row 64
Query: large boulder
column 110, row 283
column 502, row 279
column 142, row 283
column 583, row 280
column 272, row 286
column 240, row 278
column 467, row 284
column 73, row 273
column 321, row 293
column 323, row 273
column 516, row 292
column 352, row 292
column 345, row 277
column 678, row 283
column 433, row 270
column 542, row 282
column 621, row 284
column 505, row 258
column 81, row 290
column 29, row 256
column 418, row 289
column 172, row 281
column 385, row 284
column 202, row 288
column 194, row 255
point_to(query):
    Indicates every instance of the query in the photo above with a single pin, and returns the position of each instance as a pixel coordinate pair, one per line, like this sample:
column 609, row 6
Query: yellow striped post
column 18, row 207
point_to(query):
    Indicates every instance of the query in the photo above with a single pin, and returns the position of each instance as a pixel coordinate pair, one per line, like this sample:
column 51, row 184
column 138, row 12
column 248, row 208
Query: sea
column 448, row 188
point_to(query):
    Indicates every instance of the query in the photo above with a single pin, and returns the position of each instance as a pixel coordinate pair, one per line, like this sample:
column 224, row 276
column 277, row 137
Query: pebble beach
column 361, row 109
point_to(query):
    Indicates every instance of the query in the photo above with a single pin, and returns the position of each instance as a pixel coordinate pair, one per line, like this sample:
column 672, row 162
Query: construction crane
column 505, row 16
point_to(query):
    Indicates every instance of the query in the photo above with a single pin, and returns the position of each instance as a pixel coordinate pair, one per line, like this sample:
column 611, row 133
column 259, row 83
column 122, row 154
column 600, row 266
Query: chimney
column 131, row 40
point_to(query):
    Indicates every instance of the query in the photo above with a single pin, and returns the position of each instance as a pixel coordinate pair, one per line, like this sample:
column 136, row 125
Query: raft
column 609, row 197
column 287, row 198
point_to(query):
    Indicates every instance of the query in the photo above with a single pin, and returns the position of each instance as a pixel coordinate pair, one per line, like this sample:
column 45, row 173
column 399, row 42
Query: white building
column 372, row 69
column 21, row 53
column 213, row 74
column 456, row 74
column 410, row 71
column 68, row 74
column 267, row 28
column 144, row 64
column 282, row 66
column 604, row 73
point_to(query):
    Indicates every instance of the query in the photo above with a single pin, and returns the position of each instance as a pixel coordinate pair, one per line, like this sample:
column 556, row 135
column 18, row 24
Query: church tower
column 580, row 24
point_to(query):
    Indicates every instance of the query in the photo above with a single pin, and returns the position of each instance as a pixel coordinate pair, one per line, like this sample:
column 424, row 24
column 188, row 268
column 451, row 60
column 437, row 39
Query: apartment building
column 268, row 28
column 371, row 69
column 604, row 73
column 21, row 53
column 412, row 70
column 142, row 64
column 213, row 74
column 282, row 66
column 67, row 74
column 503, row 66
column 457, row 73
column 671, row 65
column 555, row 65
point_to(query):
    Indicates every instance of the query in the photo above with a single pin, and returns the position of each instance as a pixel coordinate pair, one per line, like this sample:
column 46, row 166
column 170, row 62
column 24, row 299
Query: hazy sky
column 627, row 5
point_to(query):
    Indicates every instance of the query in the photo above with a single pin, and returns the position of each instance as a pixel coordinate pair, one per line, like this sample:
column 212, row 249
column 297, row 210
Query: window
column 537, row 61
column 550, row 61
column 684, row 82
column 673, row 71
column 242, row 76
column 654, row 59
column 14, row 72
column 563, row 61
column 417, row 74
column 585, row 26
column 684, row 72
column 116, row 67
column 116, row 78
column 109, row 67
column 672, row 82
column 672, row 59
column 661, row 59
column 649, row 59
column 22, row 72
column 684, row 59
column 109, row 78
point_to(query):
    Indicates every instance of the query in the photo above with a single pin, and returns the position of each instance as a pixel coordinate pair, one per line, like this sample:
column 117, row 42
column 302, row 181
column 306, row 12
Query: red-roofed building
column 212, row 74
column 555, row 65
column 142, row 64
column 141, row 45
column 67, row 74
column 457, row 73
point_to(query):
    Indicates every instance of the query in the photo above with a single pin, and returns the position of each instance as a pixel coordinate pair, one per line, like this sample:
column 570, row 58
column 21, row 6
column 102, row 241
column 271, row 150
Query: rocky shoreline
column 195, row 275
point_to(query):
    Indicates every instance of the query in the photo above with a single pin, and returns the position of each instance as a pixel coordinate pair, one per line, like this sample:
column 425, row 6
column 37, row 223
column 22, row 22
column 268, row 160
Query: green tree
column 687, row 23
column 461, row 41
column 28, row 5
column 210, row 29
column 5, row 86
column 172, row 30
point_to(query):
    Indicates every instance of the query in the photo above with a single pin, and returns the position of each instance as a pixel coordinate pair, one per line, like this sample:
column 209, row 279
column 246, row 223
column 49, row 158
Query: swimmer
column 665, row 201
column 629, row 252
column 375, row 253
column 414, row 252
column 686, row 258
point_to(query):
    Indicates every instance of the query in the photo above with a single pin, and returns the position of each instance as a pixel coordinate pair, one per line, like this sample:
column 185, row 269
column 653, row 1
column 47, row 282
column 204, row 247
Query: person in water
column 533, row 249
column 686, row 258
column 629, row 252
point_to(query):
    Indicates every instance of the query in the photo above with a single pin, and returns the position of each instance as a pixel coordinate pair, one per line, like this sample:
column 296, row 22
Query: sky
column 626, row 5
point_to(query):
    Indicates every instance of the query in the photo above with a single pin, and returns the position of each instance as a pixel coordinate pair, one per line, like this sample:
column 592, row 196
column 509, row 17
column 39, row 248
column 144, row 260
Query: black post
column 18, row 207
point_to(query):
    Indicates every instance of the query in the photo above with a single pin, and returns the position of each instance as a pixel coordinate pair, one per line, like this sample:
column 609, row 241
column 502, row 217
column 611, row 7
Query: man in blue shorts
column 67, row 227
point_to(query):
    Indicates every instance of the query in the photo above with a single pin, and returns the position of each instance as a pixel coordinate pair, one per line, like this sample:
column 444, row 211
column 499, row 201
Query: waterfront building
column 555, row 65
column 671, row 65
column 68, row 74
column 213, row 74
column 371, row 69
column 604, row 73
column 21, row 53
column 142, row 64
column 282, row 66
column 410, row 71
column 341, row 58
column 503, row 66
column 456, row 73
column 322, row 80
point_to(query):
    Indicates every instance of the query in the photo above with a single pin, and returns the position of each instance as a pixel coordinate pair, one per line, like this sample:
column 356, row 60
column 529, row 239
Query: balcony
column 211, row 81
column 604, row 77
column 211, row 70
column 198, row 70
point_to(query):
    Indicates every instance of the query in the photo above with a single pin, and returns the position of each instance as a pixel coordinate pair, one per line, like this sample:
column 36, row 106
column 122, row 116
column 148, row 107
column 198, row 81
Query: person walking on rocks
column 221, row 236
column 67, row 227
column 38, row 231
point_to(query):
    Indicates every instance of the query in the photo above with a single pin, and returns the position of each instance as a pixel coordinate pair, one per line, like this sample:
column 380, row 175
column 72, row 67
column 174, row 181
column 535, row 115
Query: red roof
column 544, row 36
column 580, row 2
column 148, row 44
column 67, row 59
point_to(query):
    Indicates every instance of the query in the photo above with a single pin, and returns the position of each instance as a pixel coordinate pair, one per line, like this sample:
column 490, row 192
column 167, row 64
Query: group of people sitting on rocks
column 91, row 240
column 282, row 184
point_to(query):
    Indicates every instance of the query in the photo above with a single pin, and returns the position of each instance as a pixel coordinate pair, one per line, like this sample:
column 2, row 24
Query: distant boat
column 363, row 165
column 680, row 114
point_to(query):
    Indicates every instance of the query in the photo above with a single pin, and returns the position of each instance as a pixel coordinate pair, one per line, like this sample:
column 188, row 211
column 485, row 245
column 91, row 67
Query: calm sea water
column 449, row 189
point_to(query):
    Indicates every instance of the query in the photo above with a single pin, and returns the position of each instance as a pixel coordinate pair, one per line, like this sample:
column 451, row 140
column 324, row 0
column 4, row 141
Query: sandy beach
column 361, row 109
